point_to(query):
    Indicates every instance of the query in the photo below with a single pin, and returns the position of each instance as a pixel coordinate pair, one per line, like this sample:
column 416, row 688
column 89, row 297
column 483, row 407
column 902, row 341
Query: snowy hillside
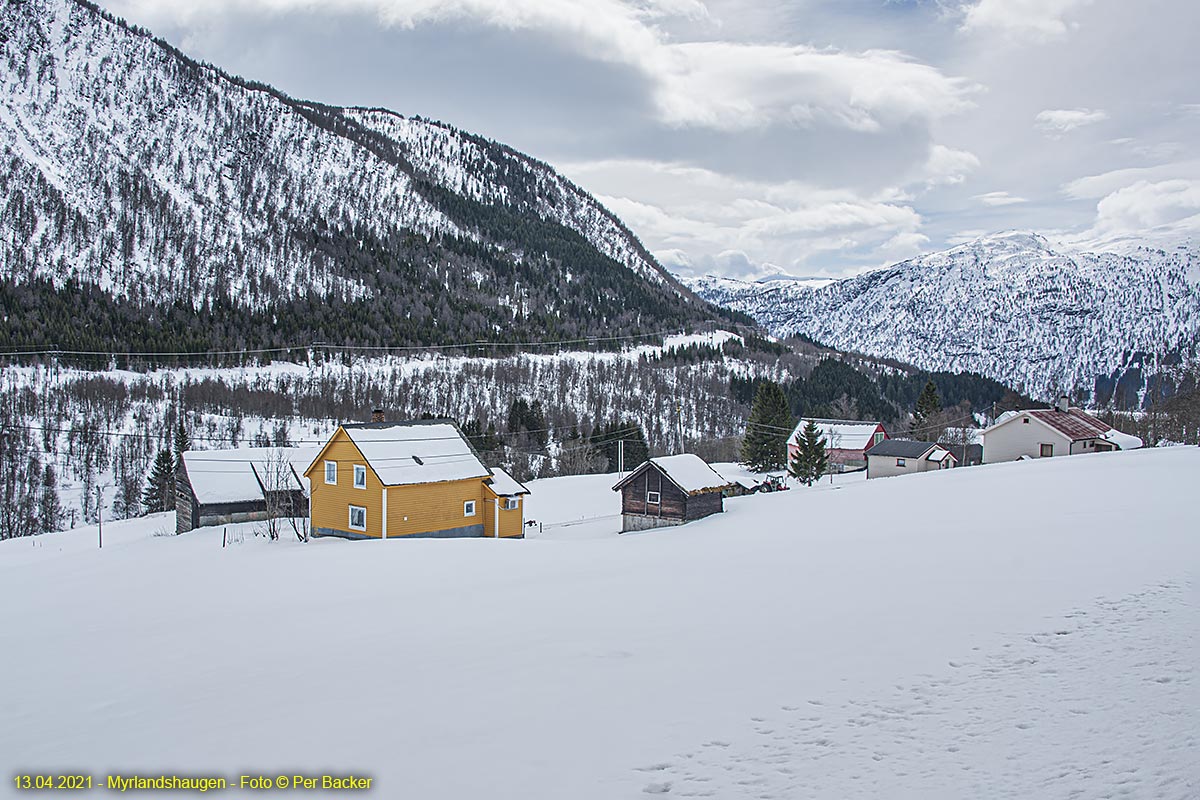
column 791, row 647
column 1009, row 307
column 131, row 167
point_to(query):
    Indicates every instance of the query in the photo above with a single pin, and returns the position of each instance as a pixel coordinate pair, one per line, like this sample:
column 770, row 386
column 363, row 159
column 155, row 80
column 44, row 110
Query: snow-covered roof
column 416, row 452
column 938, row 455
column 841, row 434
column 687, row 471
column 238, row 475
column 1125, row 441
column 505, row 485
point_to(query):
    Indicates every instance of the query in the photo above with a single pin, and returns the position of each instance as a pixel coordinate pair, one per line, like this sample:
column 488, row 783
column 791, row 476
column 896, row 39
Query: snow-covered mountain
column 133, row 168
column 1009, row 307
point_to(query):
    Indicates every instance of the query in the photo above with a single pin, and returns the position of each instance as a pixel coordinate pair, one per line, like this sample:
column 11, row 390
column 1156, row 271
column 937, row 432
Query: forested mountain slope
column 141, row 187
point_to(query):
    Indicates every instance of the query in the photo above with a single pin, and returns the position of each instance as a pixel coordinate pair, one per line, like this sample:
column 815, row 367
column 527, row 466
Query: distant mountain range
column 140, row 186
column 1112, row 327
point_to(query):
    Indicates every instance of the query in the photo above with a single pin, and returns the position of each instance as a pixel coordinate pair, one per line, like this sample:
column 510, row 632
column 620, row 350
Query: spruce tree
column 50, row 508
column 160, row 489
column 767, row 430
column 929, row 404
column 811, row 460
column 183, row 442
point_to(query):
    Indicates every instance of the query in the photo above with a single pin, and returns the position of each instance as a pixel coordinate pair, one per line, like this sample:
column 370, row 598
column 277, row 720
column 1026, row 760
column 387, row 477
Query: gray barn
column 670, row 490
column 222, row 487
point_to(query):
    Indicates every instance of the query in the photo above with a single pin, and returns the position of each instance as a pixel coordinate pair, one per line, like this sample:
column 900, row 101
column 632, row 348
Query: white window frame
column 329, row 464
column 469, row 508
column 510, row 503
column 900, row 462
column 653, row 498
column 360, row 469
column 354, row 527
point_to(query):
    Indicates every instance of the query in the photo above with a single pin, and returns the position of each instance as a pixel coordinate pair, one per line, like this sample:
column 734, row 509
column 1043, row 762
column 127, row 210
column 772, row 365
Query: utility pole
column 621, row 457
column 100, row 516
column 679, row 417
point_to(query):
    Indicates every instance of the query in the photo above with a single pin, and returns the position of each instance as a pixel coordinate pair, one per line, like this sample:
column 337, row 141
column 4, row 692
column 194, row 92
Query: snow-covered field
column 1022, row 630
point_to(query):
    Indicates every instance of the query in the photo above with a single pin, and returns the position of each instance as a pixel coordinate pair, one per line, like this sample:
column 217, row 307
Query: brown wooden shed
column 670, row 490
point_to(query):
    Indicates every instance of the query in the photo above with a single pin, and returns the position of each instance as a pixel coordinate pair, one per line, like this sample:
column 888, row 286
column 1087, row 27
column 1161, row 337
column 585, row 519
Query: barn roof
column 687, row 471
column 238, row 475
column 902, row 448
column 841, row 434
column 420, row 451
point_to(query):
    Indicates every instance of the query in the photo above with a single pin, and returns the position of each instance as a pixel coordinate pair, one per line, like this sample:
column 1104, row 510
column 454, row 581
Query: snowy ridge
column 1009, row 307
column 132, row 167
column 473, row 167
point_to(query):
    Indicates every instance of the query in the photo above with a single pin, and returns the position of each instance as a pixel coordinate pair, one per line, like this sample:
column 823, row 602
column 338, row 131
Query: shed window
column 1047, row 450
column 653, row 497
column 900, row 462
column 510, row 503
column 358, row 518
column 331, row 472
column 469, row 508
column 360, row 476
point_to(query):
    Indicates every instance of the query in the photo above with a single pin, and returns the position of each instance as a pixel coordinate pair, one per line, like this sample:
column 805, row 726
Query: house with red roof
column 1049, row 432
column 846, row 441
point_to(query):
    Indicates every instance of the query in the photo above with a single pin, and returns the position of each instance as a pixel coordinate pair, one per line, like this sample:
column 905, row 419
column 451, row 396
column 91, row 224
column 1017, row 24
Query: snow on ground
column 1007, row 631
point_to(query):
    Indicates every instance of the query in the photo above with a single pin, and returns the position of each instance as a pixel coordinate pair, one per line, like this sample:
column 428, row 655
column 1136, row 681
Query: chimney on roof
column 1064, row 404
column 378, row 416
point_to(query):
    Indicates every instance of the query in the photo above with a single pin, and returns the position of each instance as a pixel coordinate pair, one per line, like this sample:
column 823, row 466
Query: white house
column 1044, row 433
column 901, row 457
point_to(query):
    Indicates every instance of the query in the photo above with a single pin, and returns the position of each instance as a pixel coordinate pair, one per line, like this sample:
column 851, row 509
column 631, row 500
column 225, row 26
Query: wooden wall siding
column 512, row 522
column 331, row 504
column 186, row 518
column 434, row 507
column 701, row 505
column 633, row 496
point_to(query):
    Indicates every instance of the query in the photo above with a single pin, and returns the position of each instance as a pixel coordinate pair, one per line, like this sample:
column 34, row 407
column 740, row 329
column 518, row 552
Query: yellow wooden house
column 389, row 480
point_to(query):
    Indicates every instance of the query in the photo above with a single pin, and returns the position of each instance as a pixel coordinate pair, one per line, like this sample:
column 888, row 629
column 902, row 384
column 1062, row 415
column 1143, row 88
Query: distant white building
column 1044, row 433
column 902, row 457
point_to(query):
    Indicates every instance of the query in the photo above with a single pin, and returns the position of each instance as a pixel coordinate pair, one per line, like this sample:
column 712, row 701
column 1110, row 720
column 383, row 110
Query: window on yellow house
column 469, row 508
column 360, row 476
column 358, row 518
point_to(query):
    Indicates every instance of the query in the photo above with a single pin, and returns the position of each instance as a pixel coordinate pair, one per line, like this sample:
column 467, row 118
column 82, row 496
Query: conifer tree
column 765, row 444
column 50, row 508
column 811, row 460
column 160, row 489
column 929, row 404
column 183, row 442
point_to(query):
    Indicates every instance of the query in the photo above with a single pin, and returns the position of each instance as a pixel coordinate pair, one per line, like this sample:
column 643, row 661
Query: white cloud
column 1144, row 205
column 946, row 165
column 1057, row 121
column 696, row 218
column 722, row 85
column 999, row 199
column 1040, row 20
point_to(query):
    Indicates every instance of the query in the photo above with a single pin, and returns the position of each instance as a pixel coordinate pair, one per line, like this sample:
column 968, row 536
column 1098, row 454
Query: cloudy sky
column 813, row 137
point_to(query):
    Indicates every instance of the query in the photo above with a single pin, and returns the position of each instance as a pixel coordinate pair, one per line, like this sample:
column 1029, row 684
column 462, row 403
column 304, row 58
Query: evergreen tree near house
column 606, row 442
column 929, row 405
column 183, row 442
column 765, row 444
column 811, row 460
column 160, row 489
